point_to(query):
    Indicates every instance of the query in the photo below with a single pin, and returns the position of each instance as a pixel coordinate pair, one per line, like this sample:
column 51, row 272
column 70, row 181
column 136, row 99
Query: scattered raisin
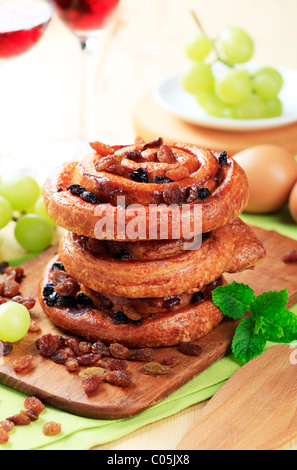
column 6, row 425
column 290, row 257
column 100, row 348
column 154, row 368
column 203, row 193
column 88, row 359
column 115, row 364
column 59, row 266
column 67, row 287
column 60, row 357
column 34, row 404
column 119, row 351
column 133, row 154
column 23, row 363
column 5, row 348
column 48, row 290
column 47, row 345
column 52, row 299
column 190, row 349
column 19, row 420
column 99, row 371
column 66, row 302
column 72, row 364
column 192, row 195
column 4, row 437
column 27, row 302
column 119, row 378
column 172, row 194
column 166, row 155
column 32, row 415
column 34, row 327
column 91, row 384
column 84, row 347
column 52, row 429
column 170, row 361
column 87, row 196
column 83, row 299
column 161, row 180
column 74, row 345
column 142, row 355
column 140, row 175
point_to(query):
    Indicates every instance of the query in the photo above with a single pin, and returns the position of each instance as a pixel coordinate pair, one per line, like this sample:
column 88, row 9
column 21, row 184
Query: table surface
column 143, row 46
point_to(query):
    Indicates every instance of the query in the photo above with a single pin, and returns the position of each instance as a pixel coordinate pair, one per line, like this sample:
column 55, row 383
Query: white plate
column 171, row 96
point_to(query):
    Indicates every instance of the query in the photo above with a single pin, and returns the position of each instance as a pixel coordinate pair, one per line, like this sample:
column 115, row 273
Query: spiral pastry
column 131, row 281
column 167, row 180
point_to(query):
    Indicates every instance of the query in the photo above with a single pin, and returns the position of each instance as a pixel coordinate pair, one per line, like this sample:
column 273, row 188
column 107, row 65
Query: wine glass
column 22, row 24
column 87, row 19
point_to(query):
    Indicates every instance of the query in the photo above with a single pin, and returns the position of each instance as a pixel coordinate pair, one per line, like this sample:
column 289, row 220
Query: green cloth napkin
column 83, row 433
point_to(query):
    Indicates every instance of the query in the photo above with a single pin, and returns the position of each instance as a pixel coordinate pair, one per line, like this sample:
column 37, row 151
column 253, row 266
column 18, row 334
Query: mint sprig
column 269, row 318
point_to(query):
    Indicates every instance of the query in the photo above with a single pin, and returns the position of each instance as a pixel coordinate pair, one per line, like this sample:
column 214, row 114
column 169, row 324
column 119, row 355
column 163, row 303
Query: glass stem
column 87, row 113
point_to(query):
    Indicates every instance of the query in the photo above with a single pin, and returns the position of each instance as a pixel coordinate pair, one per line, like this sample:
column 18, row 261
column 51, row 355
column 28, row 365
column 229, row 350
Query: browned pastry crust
column 188, row 324
column 231, row 248
column 227, row 184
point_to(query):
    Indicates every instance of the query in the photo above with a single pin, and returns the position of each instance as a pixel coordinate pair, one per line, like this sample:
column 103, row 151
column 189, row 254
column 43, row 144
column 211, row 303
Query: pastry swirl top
column 170, row 179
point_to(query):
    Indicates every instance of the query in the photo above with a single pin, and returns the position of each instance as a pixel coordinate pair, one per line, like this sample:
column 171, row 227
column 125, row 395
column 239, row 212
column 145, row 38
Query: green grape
column 267, row 82
column 254, row 108
column 274, row 108
column 215, row 107
column 234, row 87
column 5, row 212
column 34, row 233
column 14, row 322
column 198, row 79
column 198, row 47
column 39, row 209
column 236, row 44
column 21, row 191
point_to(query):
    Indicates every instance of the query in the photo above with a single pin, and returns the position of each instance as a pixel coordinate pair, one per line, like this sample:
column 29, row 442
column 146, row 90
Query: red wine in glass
column 87, row 17
column 22, row 24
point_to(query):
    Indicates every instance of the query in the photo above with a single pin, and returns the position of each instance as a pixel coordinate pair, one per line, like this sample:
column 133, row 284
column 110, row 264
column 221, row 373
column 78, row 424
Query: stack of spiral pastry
column 119, row 277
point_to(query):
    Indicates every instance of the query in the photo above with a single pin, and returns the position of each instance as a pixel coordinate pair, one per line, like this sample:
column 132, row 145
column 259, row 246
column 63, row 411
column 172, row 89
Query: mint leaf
column 233, row 299
column 269, row 303
column 246, row 343
column 287, row 322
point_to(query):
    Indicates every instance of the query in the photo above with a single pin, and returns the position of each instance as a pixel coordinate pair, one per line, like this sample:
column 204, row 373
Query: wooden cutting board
column 57, row 387
column 254, row 410
column 151, row 120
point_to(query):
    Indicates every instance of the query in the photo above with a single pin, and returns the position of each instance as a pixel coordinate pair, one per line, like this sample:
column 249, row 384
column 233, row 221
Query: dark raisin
column 91, row 384
column 119, row 378
column 58, row 266
column 3, row 266
column 76, row 189
column 170, row 302
column 89, row 197
column 290, row 257
column 223, row 158
column 85, row 348
column 74, row 345
column 60, row 190
column 5, row 348
column 83, row 299
column 170, row 361
column 153, row 143
column 115, row 364
column 137, row 322
column 52, row 299
column 198, row 297
column 203, row 193
column 190, row 349
column 121, row 255
column 88, row 359
column 139, row 175
column 119, row 351
column 67, row 302
column 47, row 345
column 133, row 154
column 48, row 290
column 100, row 348
column 142, row 355
column 161, row 180
column 119, row 318
column 60, row 357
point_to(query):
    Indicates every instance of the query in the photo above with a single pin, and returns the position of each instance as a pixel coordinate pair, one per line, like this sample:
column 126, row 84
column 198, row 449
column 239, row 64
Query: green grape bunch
column 235, row 93
column 21, row 204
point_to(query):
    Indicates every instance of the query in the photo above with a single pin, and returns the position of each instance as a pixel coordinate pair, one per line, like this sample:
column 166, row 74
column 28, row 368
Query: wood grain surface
column 255, row 410
column 53, row 384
